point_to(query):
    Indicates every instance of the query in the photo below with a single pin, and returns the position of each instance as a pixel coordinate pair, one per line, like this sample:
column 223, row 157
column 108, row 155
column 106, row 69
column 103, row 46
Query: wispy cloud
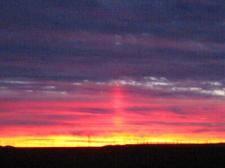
column 101, row 66
column 64, row 90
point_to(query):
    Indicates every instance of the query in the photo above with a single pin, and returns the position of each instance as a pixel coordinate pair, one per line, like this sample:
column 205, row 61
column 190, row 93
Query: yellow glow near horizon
column 98, row 141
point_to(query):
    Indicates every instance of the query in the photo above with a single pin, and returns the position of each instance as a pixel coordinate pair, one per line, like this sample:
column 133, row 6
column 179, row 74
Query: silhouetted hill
column 7, row 147
column 129, row 156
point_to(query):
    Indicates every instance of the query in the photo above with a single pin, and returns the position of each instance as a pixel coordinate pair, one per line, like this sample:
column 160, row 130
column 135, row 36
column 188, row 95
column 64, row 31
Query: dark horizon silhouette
column 155, row 156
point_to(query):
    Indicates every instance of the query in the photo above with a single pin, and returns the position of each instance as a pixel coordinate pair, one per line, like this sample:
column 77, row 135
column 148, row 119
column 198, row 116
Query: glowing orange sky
column 115, row 116
column 91, row 73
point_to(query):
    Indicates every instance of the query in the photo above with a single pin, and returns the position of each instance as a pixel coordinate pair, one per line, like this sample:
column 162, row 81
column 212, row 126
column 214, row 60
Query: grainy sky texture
column 111, row 68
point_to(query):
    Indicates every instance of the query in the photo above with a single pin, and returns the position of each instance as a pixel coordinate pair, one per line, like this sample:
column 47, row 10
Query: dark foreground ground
column 135, row 156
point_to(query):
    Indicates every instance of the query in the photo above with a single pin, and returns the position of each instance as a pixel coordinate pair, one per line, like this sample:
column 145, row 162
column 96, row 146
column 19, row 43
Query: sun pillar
column 118, row 107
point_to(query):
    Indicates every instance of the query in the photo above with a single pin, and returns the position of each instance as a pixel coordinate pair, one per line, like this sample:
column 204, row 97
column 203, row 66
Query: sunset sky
column 99, row 72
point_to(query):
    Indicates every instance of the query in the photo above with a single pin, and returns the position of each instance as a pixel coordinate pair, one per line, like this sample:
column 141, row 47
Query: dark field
column 137, row 156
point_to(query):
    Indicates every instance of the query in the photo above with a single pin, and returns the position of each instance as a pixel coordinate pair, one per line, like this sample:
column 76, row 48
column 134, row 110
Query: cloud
column 204, row 130
column 89, row 40
column 94, row 110
column 147, row 110
column 142, row 109
column 149, row 85
column 182, row 124
column 23, row 122
column 182, row 87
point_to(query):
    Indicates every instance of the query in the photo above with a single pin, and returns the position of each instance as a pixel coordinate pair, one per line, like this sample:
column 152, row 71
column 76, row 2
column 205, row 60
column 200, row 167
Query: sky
column 99, row 72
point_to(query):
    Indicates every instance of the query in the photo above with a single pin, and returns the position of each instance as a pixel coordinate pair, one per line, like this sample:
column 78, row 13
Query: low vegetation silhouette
column 126, row 156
